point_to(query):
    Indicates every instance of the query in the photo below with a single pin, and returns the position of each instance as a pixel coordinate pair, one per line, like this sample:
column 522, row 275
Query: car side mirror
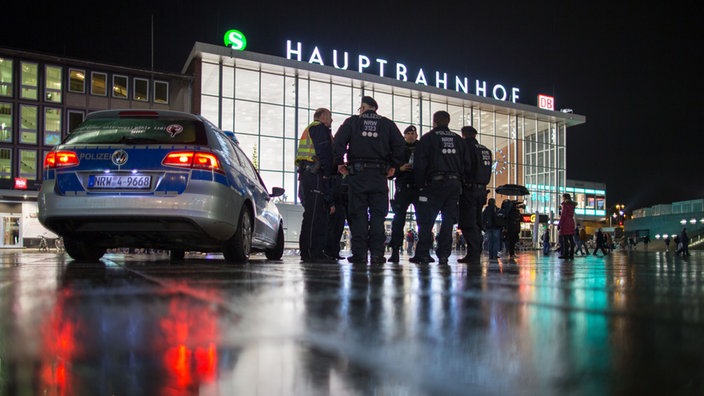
column 277, row 191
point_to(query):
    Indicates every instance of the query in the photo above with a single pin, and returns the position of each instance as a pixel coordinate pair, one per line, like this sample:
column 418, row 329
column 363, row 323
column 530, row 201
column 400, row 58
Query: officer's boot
column 394, row 255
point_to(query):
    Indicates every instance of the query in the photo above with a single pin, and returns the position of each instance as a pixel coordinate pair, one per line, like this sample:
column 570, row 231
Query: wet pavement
column 630, row 323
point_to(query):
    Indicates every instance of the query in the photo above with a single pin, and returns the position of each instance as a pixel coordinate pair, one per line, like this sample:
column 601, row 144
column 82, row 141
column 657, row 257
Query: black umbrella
column 512, row 189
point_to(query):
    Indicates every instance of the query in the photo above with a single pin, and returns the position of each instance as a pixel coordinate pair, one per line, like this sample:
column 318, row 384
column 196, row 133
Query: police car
column 157, row 179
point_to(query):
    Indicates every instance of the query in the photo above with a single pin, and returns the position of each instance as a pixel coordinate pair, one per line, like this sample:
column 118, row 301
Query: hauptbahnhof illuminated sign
column 366, row 64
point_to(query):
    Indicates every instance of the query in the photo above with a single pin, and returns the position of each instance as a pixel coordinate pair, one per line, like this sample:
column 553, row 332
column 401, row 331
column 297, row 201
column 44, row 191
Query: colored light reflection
column 59, row 340
column 191, row 356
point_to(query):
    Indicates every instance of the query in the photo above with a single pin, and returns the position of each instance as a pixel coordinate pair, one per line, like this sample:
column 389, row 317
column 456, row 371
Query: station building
column 267, row 100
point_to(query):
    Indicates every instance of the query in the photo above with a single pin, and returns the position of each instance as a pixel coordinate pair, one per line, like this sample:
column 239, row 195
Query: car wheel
column 237, row 248
column 277, row 251
column 82, row 250
column 176, row 255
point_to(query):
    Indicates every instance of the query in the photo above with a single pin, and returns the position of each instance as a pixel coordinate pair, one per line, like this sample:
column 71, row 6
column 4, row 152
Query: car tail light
column 60, row 159
column 193, row 159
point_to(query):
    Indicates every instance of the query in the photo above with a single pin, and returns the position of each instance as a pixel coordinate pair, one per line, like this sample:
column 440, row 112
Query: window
column 5, row 163
column 5, row 77
column 29, row 80
column 119, row 86
column 75, row 117
column 77, row 80
column 28, row 164
column 52, row 84
column 6, row 122
column 52, row 126
column 28, row 124
column 141, row 89
column 161, row 92
column 98, row 84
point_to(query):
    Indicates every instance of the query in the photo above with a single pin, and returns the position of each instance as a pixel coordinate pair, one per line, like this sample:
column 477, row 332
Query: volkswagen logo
column 119, row 157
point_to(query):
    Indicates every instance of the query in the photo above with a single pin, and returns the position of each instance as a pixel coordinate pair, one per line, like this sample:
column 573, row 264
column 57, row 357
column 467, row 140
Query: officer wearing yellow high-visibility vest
column 315, row 166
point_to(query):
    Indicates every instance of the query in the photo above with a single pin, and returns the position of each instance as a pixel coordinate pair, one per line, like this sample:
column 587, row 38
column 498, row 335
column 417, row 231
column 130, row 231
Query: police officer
column 441, row 163
column 374, row 146
column 315, row 166
column 473, row 198
column 406, row 193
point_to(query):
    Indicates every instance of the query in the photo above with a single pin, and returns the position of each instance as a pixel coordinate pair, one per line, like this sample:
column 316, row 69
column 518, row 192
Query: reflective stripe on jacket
column 306, row 149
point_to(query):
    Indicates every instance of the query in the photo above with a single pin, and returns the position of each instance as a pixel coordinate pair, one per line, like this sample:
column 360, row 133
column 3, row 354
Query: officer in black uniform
column 315, row 167
column 374, row 146
column 406, row 193
column 441, row 163
column 472, row 200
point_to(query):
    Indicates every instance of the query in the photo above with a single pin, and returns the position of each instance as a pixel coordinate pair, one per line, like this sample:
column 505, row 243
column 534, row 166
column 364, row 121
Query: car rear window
column 138, row 131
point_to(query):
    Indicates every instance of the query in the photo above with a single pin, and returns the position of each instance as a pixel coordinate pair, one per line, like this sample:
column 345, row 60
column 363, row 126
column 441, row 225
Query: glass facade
column 268, row 104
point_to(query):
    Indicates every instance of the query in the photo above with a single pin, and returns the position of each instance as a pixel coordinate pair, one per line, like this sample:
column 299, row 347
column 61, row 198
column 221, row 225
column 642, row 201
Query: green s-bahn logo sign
column 235, row 40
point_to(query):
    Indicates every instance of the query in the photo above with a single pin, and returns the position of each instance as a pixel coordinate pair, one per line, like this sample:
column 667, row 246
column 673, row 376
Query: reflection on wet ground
column 630, row 323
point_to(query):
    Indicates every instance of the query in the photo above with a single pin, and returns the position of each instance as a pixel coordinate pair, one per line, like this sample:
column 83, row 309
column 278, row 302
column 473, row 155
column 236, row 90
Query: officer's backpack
column 484, row 165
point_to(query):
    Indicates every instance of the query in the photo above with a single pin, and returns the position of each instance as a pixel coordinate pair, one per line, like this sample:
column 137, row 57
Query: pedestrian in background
column 583, row 239
column 683, row 246
column 600, row 242
column 546, row 242
column 492, row 228
column 566, row 226
column 609, row 242
column 374, row 147
column 406, row 192
column 667, row 243
column 578, row 241
column 441, row 164
column 315, row 167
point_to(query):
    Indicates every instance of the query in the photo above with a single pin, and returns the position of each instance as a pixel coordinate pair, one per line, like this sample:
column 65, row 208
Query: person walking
column 441, row 164
column 577, row 241
column 406, row 192
column 511, row 225
column 667, row 243
column 609, row 244
column 566, row 226
column 374, row 147
column 492, row 229
column 473, row 196
column 683, row 246
column 583, row 239
column 546, row 242
column 410, row 241
column 600, row 241
column 315, row 167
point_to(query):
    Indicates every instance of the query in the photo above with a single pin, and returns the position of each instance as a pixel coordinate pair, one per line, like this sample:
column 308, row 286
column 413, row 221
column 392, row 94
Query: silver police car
column 157, row 179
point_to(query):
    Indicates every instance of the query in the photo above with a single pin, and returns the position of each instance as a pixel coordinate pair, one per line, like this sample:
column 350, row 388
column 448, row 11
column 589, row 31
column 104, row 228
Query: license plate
column 119, row 182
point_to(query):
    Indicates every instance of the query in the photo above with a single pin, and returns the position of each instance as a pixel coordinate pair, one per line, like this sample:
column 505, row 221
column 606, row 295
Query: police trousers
column 471, row 204
column 440, row 196
column 313, row 234
column 367, row 206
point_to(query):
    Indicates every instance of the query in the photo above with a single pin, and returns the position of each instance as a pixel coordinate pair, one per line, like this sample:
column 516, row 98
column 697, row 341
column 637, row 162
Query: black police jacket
column 369, row 137
column 441, row 152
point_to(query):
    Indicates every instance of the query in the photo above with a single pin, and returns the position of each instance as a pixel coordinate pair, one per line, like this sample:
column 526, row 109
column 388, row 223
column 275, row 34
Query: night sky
column 633, row 69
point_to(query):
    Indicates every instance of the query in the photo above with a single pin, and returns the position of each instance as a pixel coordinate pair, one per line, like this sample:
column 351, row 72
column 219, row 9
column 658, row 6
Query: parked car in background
column 157, row 179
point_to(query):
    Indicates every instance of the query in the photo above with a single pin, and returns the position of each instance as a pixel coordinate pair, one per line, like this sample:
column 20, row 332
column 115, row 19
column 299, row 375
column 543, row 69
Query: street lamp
column 619, row 213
